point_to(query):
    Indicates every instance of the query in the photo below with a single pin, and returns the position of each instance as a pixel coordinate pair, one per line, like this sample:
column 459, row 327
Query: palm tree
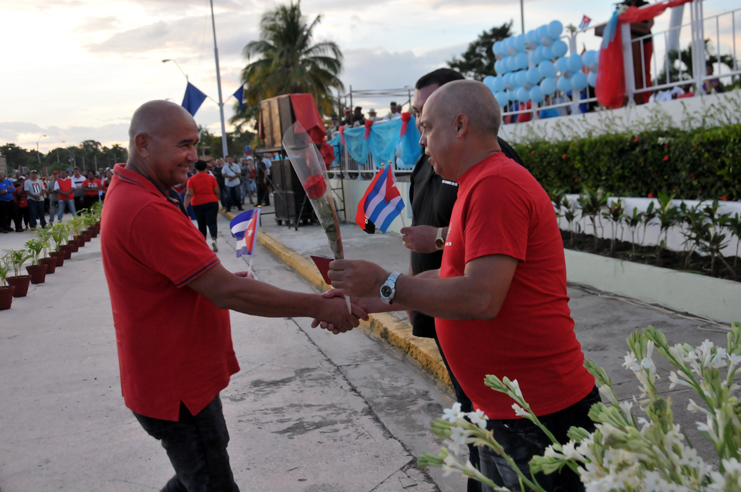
column 683, row 59
column 287, row 62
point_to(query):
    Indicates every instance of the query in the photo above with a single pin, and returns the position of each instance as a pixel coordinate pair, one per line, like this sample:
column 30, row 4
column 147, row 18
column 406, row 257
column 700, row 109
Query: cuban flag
column 244, row 229
column 584, row 22
column 381, row 203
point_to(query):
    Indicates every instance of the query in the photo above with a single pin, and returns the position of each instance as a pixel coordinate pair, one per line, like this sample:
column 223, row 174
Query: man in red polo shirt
column 499, row 299
column 170, row 297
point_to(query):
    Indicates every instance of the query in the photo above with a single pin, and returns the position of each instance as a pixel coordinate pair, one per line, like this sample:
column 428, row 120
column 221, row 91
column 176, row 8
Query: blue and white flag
column 585, row 21
column 381, row 203
column 244, row 229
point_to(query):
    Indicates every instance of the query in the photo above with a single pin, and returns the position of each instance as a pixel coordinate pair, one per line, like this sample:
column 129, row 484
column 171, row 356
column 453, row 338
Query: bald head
column 471, row 98
column 153, row 118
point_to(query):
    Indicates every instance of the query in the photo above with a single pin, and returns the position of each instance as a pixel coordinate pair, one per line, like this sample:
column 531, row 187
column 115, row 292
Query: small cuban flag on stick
column 244, row 229
column 584, row 23
column 381, row 203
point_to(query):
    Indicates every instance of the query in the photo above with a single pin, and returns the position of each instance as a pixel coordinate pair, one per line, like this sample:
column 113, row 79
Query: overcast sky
column 77, row 69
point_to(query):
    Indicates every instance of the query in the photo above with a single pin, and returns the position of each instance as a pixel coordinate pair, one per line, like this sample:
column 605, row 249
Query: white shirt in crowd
column 231, row 173
column 34, row 188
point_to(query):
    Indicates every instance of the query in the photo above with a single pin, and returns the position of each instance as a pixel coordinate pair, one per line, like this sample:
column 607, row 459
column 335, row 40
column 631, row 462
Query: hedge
column 704, row 163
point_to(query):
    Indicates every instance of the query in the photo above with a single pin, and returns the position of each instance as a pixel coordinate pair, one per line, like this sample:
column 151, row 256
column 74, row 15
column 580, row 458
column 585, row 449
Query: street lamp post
column 218, row 83
column 58, row 151
column 176, row 64
column 38, row 154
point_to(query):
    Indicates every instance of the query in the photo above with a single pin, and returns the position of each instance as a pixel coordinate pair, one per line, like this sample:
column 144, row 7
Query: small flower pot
column 65, row 251
column 37, row 273
column 51, row 264
column 59, row 255
column 87, row 235
column 21, row 285
column 6, row 297
column 75, row 244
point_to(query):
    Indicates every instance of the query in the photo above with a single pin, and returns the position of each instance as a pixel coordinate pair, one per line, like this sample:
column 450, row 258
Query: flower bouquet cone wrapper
column 311, row 171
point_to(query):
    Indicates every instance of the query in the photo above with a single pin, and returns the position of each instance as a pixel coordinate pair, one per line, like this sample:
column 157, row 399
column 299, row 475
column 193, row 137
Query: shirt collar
column 134, row 178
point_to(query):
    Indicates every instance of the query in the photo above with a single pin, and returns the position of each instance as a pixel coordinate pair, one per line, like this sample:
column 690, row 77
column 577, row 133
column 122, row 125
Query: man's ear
column 142, row 143
column 461, row 124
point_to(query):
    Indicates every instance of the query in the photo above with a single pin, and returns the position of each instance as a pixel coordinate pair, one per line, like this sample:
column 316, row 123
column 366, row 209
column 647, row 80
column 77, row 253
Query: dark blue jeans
column 522, row 440
column 196, row 446
column 36, row 210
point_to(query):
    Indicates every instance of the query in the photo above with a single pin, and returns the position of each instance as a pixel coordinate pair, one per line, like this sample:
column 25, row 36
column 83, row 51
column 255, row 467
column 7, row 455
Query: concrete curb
column 423, row 352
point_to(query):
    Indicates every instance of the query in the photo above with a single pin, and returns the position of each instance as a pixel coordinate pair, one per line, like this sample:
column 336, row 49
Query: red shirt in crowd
column 174, row 345
column 65, row 188
column 203, row 185
column 21, row 197
column 502, row 210
column 87, row 185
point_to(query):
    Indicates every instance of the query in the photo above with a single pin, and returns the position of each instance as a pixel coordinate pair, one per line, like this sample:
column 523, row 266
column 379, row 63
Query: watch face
column 385, row 291
column 439, row 243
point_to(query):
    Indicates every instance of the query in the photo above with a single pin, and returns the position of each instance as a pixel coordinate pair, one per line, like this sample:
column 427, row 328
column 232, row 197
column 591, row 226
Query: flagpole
column 218, row 83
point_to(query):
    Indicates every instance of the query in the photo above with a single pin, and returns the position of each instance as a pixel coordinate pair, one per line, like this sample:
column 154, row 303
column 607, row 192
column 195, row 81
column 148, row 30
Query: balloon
column 500, row 56
column 512, row 95
column 547, row 69
column 520, row 41
column 523, row 95
column 548, row 53
column 533, row 75
column 536, row 94
column 498, row 66
column 508, row 82
column 512, row 51
column 559, row 48
column 521, row 77
column 527, row 85
column 546, row 41
column 589, row 57
column 555, row 29
column 522, row 61
column 579, row 81
column 594, row 65
column 567, row 73
column 498, row 48
column 562, row 64
column 592, row 79
column 532, row 45
column 502, row 98
column 489, row 81
column 499, row 84
column 541, row 32
column 548, row 86
column 531, row 36
column 563, row 84
column 575, row 62
column 511, row 63
column 534, row 57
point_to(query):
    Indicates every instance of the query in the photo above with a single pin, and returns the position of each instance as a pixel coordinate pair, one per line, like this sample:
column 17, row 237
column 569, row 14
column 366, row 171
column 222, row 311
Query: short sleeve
column 189, row 184
column 497, row 220
column 166, row 241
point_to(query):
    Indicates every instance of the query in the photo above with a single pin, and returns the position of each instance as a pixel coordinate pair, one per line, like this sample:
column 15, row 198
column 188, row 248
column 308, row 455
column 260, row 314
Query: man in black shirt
column 432, row 200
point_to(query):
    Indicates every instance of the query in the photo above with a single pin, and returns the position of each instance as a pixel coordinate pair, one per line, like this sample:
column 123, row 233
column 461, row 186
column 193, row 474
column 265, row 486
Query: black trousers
column 21, row 215
column 206, row 217
column 522, row 439
column 262, row 193
column 196, row 446
column 89, row 200
column 232, row 198
column 36, row 212
column 6, row 214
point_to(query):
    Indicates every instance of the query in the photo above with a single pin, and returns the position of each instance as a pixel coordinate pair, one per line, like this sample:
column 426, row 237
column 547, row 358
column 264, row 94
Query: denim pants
column 232, row 198
column 69, row 204
column 36, row 211
column 522, row 440
column 196, row 446
column 53, row 209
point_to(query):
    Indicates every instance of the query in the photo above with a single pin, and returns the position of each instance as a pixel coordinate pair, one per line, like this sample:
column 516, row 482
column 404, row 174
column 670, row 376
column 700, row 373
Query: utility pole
column 218, row 83
column 522, row 14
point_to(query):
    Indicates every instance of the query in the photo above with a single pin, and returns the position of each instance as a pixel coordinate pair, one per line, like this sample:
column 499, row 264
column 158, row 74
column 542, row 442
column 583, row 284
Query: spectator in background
column 78, row 181
column 217, row 172
column 232, row 180
column 246, row 177
column 21, row 215
column 372, row 115
column 106, row 181
column 92, row 186
column 334, row 127
column 35, row 193
column 203, row 193
column 7, row 190
column 712, row 85
column 261, row 177
column 53, row 196
column 358, row 119
column 66, row 190
column 348, row 121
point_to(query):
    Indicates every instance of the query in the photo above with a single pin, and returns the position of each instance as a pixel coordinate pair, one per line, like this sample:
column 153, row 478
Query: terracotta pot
column 59, row 255
column 65, row 251
column 20, row 284
column 74, row 245
column 37, row 273
column 95, row 230
column 51, row 264
column 6, row 297
column 87, row 235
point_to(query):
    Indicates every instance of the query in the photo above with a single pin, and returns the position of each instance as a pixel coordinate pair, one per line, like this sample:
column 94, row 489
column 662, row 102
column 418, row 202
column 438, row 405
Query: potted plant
column 73, row 227
column 16, row 258
column 59, row 236
column 6, row 291
column 44, row 237
column 36, row 270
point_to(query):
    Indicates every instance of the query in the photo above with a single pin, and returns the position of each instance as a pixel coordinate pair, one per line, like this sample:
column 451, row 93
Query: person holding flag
column 244, row 229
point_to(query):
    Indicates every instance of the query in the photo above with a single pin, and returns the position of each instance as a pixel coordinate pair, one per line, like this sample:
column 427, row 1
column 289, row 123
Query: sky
column 77, row 69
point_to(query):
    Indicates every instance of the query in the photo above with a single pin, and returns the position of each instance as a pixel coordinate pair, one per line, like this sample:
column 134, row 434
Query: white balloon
column 546, row 41
column 527, row 86
column 512, row 51
column 567, row 74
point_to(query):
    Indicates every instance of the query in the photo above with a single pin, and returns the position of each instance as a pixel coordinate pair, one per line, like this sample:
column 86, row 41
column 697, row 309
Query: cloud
column 26, row 134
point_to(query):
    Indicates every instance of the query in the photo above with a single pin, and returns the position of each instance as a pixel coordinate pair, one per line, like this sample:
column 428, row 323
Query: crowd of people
column 27, row 198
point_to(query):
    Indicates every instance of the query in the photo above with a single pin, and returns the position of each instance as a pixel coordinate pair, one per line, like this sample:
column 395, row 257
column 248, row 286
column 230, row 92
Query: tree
column 683, row 59
column 16, row 157
column 478, row 60
column 287, row 62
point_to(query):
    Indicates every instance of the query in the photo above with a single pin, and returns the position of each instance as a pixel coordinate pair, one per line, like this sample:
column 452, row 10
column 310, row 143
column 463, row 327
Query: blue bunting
column 382, row 143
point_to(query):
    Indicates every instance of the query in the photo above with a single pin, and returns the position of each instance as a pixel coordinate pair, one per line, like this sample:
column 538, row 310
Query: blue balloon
column 546, row 41
column 499, row 84
column 589, row 57
column 563, row 84
column 592, row 79
column 559, row 48
column 522, row 61
column 542, row 32
column 568, row 73
column 520, row 42
column 547, row 69
column 531, row 36
column 536, row 94
column 579, row 81
column 498, row 48
column 498, row 66
column 511, row 63
column 555, row 29
column 548, row 53
column 521, row 77
column 562, row 65
column 548, row 86
column 523, row 95
column 502, row 98
column 534, row 57
column 489, row 81
column 533, row 75
column 508, row 82
column 575, row 63
column 512, row 95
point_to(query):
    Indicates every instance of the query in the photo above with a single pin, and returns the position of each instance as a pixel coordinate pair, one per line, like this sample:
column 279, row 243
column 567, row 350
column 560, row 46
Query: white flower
column 731, row 465
column 450, row 465
column 551, row 453
column 478, row 418
column 719, row 359
column 735, row 359
column 677, row 379
column 631, row 362
column 453, row 414
column 695, row 408
column 458, row 435
column 625, row 406
column 569, row 450
column 607, row 393
column 519, row 411
column 516, row 387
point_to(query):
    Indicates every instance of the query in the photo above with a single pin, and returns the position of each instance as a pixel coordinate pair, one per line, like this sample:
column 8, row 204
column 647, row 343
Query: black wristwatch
column 388, row 289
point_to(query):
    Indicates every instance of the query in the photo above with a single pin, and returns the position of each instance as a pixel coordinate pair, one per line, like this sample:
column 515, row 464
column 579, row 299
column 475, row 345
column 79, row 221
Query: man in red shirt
column 499, row 299
column 65, row 188
column 92, row 186
column 170, row 297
